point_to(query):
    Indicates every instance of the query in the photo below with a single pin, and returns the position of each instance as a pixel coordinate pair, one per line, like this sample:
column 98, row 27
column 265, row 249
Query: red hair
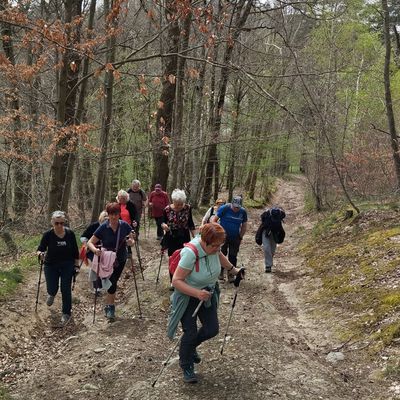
column 113, row 208
column 212, row 232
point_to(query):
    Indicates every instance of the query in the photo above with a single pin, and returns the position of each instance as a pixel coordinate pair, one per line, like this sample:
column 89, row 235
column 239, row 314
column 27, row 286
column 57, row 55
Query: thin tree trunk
column 100, row 189
column 388, row 93
column 63, row 160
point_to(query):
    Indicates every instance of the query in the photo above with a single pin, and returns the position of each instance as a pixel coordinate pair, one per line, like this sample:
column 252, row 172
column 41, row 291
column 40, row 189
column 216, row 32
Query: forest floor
column 277, row 347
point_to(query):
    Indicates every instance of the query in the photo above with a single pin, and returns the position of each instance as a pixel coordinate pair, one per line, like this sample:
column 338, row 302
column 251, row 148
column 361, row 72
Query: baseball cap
column 237, row 202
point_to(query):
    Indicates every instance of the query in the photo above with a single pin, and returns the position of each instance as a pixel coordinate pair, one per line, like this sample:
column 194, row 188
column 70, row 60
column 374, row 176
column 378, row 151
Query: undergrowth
column 356, row 261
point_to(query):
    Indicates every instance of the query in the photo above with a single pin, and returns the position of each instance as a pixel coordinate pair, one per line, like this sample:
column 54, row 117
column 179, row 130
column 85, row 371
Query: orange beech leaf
column 143, row 90
column 150, row 13
column 117, row 75
column 165, row 139
column 109, row 67
column 161, row 104
column 98, row 72
column 156, row 80
column 142, row 79
column 162, row 121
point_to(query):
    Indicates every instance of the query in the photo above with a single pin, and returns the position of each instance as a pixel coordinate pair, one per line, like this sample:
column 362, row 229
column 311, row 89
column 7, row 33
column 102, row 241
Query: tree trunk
column 178, row 163
column 20, row 169
column 64, row 159
column 166, row 103
column 388, row 93
column 100, row 187
column 241, row 13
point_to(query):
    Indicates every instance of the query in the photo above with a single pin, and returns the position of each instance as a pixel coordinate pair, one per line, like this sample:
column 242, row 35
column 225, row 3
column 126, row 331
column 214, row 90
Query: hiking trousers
column 269, row 247
column 159, row 221
column 192, row 336
column 231, row 248
column 54, row 273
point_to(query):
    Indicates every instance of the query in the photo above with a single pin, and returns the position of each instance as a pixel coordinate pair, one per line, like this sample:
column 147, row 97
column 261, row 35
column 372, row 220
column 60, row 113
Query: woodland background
column 202, row 95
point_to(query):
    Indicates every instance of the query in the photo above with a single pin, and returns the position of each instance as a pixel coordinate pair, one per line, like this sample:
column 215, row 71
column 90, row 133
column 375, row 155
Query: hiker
column 177, row 223
column 128, row 208
column 59, row 251
column 212, row 211
column 194, row 286
column 158, row 200
column 86, row 235
column 138, row 197
column 271, row 220
column 233, row 218
column 115, row 235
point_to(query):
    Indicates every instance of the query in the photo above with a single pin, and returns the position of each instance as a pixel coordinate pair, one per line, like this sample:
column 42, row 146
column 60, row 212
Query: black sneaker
column 188, row 374
column 268, row 270
column 65, row 318
column 196, row 357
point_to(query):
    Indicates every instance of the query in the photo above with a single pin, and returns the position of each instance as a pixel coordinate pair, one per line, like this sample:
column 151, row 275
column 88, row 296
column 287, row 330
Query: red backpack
column 176, row 256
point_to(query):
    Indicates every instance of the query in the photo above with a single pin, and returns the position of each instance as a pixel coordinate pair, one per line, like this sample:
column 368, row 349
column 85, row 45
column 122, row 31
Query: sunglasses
column 59, row 223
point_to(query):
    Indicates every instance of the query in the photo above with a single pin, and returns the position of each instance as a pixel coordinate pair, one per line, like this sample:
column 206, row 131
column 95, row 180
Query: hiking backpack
column 272, row 222
column 176, row 257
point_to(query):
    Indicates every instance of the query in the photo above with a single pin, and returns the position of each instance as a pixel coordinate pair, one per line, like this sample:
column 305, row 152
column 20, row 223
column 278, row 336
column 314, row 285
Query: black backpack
column 272, row 223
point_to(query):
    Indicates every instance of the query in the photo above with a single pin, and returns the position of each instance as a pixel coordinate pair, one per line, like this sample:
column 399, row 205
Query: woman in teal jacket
column 193, row 287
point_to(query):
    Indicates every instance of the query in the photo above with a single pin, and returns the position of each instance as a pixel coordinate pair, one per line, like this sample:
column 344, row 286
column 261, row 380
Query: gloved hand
column 240, row 275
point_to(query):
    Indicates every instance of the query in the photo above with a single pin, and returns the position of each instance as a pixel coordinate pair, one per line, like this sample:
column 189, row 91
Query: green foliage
column 356, row 260
column 4, row 395
column 9, row 281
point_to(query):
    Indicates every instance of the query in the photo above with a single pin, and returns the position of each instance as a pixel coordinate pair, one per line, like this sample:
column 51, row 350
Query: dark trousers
column 119, row 267
column 192, row 336
column 63, row 272
column 160, row 232
column 231, row 248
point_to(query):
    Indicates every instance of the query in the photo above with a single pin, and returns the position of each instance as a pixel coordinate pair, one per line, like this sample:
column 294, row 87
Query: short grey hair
column 178, row 195
column 135, row 182
column 122, row 193
column 58, row 214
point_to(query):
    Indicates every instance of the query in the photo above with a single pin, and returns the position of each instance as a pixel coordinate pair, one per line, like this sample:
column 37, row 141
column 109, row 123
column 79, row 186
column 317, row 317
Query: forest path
column 275, row 350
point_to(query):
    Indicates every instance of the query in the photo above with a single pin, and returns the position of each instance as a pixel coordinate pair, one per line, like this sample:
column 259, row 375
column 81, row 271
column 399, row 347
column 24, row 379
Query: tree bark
column 166, row 104
column 64, row 159
column 388, row 93
column 100, row 187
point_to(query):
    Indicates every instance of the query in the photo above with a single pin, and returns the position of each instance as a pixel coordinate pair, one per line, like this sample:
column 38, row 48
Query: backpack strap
column 196, row 253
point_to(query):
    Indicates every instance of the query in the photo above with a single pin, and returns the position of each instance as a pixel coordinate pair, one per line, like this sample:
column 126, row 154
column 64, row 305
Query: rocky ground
column 276, row 347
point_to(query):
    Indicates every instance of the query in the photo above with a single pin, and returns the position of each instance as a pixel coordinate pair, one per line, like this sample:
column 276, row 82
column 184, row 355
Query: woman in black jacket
column 59, row 250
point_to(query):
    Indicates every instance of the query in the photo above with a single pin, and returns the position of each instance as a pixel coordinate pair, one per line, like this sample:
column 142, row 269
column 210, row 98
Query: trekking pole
column 165, row 363
column 95, row 292
column 40, row 278
column 144, row 222
column 159, row 267
column 74, row 277
column 138, row 256
column 236, row 283
column 136, row 288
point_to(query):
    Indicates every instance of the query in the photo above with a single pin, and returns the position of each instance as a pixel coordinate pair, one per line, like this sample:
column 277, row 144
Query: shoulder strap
column 226, row 206
column 196, row 253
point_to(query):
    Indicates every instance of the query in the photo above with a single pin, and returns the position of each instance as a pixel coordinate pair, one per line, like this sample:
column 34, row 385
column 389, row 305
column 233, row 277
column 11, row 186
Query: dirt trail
column 275, row 350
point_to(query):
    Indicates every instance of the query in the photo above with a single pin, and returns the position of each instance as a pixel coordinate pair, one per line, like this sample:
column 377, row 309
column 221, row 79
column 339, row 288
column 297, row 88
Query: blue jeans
column 192, row 337
column 54, row 273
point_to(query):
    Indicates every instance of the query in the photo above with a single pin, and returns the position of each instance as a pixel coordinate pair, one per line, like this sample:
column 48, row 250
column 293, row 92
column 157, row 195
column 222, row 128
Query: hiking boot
column 188, row 374
column 268, row 270
column 196, row 357
column 109, row 311
column 65, row 318
column 50, row 300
